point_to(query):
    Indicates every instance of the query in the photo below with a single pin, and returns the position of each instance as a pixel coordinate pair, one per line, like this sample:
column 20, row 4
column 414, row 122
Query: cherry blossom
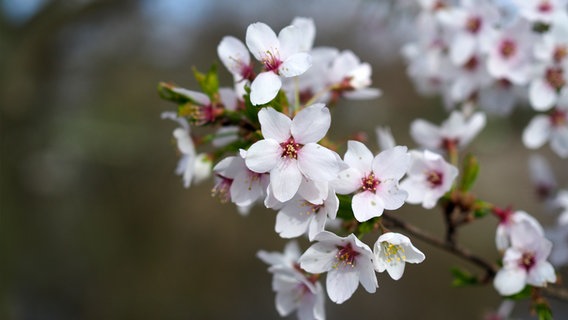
column 456, row 132
column 552, row 127
column 280, row 55
column 289, row 151
column 347, row 261
column 429, row 178
column 391, row 251
column 299, row 216
column 508, row 219
column 295, row 290
column 374, row 180
column 541, row 11
column 525, row 262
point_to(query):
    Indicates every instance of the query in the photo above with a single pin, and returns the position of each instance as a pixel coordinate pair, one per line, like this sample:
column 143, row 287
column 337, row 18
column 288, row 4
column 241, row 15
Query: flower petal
column 341, row 284
column 391, row 163
column 234, row 54
column 295, row 65
column 311, row 124
column 263, row 155
column 318, row 163
column 285, row 180
column 391, row 196
column 261, row 40
column 348, row 181
column 509, row 281
column 366, row 205
column 274, row 125
column 537, row 132
column 264, row 88
column 292, row 220
column 542, row 96
column 358, row 156
column 319, row 258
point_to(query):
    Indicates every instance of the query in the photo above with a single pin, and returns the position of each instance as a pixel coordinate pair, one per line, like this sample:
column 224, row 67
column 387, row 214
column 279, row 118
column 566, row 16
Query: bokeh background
column 95, row 225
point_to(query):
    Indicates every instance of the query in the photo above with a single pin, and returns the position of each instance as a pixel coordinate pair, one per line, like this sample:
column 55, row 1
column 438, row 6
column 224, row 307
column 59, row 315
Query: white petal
column 285, row 179
column 541, row 273
column 295, row 65
column 559, row 141
column 391, row 196
column 263, row 155
column 292, row 220
column 416, row 190
column 319, row 258
column 474, row 125
column 290, row 41
column 341, row 284
column 261, row 40
column 395, row 269
column 246, row 189
column 537, row 132
column 348, row 181
column 198, row 97
column 367, row 275
column 264, row 88
column 510, row 281
column 392, row 163
column 286, row 301
column 359, row 156
column 317, row 162
column 274, row 125
column 425, row 134
column 363, row 94
column 233, row 53
column 313, row 191
column 366, row 205
column 542, row 96
column 311, row 124
column 462, row 48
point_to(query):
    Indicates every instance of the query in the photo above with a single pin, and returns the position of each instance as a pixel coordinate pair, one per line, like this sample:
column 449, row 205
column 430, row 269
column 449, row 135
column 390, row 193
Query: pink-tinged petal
column 264, row 88
column 311, row 124
column 285, row 180
column 292, row 220
column 541, row 95
column 366, row 205
column 274, row 125
column 510, row 281
column 425, row 134
column 318, row 163
column 195, row 96
column 537, row 132
column 559, row 141
column 263, row 155
column 348, row 181
column 295, row 65
column 319, row 258
column 541, row 273
column 391, row 196
column 392, row 163
column 234, row 54
column 367, row 275
column 261, row 40
column 359, row 156
column 341, row 284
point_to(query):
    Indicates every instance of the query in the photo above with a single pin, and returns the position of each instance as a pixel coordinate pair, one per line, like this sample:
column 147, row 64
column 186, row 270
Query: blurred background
column 95, row 225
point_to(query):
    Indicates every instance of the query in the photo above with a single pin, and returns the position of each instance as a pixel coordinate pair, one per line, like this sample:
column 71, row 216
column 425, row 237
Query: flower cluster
column 493, row 54
column 271, row 148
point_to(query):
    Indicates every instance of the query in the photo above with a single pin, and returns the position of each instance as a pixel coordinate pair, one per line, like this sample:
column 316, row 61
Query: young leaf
column 470, row 171
column 209, row 82
column 462, row 278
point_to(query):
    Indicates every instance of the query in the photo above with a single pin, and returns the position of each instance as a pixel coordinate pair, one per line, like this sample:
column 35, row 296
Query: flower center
column 311, row 208
column 544, row 6
column 555, row 78
column 435, row 178
column 346, row 255
column 507, row 48
column 290, row 149
column 473, row 24
column 393, row 253
column 471, row 64
column 370, row 183
column 527, row 261
column 560, row 53
column 558, row 117
column 272, row 62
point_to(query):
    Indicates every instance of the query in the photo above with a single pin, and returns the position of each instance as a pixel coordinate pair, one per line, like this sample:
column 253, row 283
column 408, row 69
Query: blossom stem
column 318, row 95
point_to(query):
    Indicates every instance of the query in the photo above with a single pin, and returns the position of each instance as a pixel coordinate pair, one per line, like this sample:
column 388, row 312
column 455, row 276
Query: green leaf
column 366, row 227
column 463, row 278
column 345, row 212
column 470, row 171
column 543, row 311
column 481, row 209
column 209, row 82
column 165, row 90
column 524, row 294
